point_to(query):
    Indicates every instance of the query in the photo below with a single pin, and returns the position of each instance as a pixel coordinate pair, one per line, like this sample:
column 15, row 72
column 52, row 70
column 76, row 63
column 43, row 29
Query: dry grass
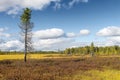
column 36, row 56
column 60, row 69
column 45, row 56
column 107, row 74
column 16, row 56
column 29, row 56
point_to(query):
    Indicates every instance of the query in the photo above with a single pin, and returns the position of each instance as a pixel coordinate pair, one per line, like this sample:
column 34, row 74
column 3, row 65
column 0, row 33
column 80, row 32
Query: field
column 56, row 67
column 36, row 56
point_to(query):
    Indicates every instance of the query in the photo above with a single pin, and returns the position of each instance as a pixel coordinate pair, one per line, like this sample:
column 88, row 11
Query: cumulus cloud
column 48, row 39
column 108, row 41
column 115, row 40
column 57, row 33
column 84, row 32
column 55, row 38
column 109, row 31
column 3, row 34
column 49, row 33
column 70, row 35
column 52, row 39
column 76, row 1
column 13, row 45
column 13, row 6
column 15, row 11
column 53, row 44
column 57, row 5
column 111, row 35
column 39, row 44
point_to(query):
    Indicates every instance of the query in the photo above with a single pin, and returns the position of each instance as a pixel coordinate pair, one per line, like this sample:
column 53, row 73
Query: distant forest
column 86, row 50
column 93, row 50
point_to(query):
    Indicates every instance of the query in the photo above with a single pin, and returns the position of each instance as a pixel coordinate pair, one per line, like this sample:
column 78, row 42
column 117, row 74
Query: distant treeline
column 35, row 52
column 87, row 50
column 92, row 50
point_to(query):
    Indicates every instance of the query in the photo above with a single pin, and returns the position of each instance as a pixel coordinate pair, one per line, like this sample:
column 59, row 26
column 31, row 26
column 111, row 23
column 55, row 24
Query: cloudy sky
column 59, row 24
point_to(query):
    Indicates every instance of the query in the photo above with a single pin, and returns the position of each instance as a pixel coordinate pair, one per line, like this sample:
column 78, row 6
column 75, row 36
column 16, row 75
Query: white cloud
column 49, row 39
column 115, row 40
column 57, row 5
column 49, row 33
column 108, row 41
column 13, row 45
column 76, row 1
column 53, row 44
column 9, row 4
column 111, row 35
column 40, row 44
column 57, row 33
column 109, row 31
column 3, row 34
column 70, row 35
column 84, row 32
column 56, row 44
column 13, row 6
column 2, row 29
column 15, row 11
column 55, row 38
column 37, row 4
column 52, row 39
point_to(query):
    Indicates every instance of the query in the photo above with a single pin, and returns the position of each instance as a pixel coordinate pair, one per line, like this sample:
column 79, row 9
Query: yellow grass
column 98, row 75
column 17, row 56
column 35, row 56
column 43, row 56
column 29, row 56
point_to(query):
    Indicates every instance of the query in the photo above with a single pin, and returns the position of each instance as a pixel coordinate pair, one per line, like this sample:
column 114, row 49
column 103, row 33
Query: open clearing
column 89, row 68
column 45, row 56
column 35, row 56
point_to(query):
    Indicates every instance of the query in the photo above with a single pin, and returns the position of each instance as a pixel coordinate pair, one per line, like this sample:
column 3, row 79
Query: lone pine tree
column 26, row 28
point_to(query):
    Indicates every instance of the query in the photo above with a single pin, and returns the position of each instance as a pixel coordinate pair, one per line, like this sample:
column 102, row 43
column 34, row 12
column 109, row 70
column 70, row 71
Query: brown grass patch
column 53, row 69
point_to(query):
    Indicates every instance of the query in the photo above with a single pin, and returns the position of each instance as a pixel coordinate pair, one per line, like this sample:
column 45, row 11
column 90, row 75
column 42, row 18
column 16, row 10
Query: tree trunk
column 25, row 52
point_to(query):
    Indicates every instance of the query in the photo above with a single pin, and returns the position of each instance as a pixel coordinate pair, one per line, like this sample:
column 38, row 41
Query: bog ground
column 80, row 68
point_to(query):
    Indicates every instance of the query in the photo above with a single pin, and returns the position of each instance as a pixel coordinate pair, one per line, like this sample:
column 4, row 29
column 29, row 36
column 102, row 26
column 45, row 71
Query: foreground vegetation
column 89, row 68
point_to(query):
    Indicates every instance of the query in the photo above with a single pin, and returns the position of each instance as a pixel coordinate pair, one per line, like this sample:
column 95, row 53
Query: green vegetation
column 26, row 29
column 92, row 68
column 108, row 50
column 79, row 51
column 36, row 52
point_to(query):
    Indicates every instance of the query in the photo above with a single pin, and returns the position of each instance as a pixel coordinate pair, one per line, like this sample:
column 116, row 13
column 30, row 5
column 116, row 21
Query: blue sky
column 59, row 24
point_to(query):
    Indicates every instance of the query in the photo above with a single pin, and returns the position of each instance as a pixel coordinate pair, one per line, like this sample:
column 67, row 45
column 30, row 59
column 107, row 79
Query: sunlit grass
column 29, row 56
column 44, row 56
column 33, row 56
column 16, row 56
column 98, row 75
column 36, row 56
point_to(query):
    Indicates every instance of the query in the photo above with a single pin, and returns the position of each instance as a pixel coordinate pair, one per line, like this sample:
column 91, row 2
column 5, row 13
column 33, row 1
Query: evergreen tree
column 92, row 49
column 26, row 28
